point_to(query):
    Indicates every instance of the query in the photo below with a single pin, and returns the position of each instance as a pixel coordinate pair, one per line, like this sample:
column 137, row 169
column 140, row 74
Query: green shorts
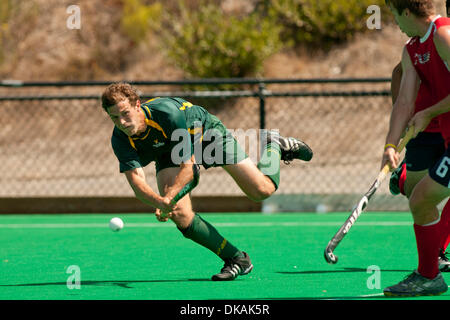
column 215, row 146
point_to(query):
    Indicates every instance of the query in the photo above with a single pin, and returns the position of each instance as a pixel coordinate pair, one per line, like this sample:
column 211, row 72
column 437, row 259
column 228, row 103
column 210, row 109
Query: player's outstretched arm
column 136, row 179
column 184, row 176
column 402, row 111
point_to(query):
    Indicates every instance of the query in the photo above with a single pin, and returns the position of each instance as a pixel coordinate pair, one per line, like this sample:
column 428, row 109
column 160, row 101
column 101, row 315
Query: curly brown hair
column 420, row 8
column 117, row 92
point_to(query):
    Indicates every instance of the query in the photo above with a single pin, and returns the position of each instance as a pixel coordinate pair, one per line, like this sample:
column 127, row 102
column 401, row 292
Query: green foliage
column 207, row 43
column 5, row 12
column 323, row 23
column 17, row 17
column 138, row 18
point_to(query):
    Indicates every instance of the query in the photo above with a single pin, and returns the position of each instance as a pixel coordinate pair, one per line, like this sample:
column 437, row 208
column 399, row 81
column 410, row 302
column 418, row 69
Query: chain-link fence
column 58, row 144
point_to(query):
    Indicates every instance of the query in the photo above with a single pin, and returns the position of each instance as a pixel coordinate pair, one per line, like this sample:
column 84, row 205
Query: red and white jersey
column 434, row 74
column 423, row 102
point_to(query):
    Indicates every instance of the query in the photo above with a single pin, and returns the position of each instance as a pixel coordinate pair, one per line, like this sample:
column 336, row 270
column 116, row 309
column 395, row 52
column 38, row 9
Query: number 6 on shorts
column 441, row 171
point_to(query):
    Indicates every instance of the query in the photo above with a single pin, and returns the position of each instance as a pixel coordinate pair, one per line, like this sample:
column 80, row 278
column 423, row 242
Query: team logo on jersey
column 422, row 58
column 412, row 40
column 158, row 144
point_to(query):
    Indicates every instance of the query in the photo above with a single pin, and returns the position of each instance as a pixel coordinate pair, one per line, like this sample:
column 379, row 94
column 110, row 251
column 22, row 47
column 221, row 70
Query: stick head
column 330, row 257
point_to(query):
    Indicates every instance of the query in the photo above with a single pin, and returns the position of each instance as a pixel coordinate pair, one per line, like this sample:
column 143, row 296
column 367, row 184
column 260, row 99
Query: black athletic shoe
column 417, row 285
column 291, row 148
column 444, row 263
column 234, row 267
column 394, row 182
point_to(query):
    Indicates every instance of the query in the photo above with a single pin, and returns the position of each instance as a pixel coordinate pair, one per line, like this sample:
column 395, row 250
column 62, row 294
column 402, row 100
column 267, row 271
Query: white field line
column 217, row 224
column 376, row 295
column 366, row 296
column 372, row 295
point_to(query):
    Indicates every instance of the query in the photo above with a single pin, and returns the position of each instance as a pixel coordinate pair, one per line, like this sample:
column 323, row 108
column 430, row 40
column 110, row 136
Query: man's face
column 404, row 20
column 127, row 118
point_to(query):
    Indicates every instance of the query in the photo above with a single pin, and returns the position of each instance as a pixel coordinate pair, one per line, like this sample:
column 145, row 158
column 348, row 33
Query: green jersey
column 164, row 118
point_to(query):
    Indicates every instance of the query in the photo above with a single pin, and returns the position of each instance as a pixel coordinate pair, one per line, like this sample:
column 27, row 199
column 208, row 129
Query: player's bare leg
column 183, row 214
column 426, row 280
column 251, row 180
column 195, row 228
column 260, row 181
column 425, row 198
column 412, row 178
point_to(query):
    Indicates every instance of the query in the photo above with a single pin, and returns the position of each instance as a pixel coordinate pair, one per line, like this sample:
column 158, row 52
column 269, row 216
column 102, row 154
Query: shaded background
column 56, row 153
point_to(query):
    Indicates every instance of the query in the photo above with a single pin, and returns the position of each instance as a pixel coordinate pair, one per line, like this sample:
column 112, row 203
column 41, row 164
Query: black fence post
column 262, row 105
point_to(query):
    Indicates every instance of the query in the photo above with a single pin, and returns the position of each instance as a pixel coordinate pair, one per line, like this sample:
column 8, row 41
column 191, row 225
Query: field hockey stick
column 330, row 257
column 187, row 188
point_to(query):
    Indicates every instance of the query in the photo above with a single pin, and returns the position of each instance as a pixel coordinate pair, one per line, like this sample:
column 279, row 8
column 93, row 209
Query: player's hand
column 391, row 157
column 420, row 121
column 162, row 216
column 164, row 211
